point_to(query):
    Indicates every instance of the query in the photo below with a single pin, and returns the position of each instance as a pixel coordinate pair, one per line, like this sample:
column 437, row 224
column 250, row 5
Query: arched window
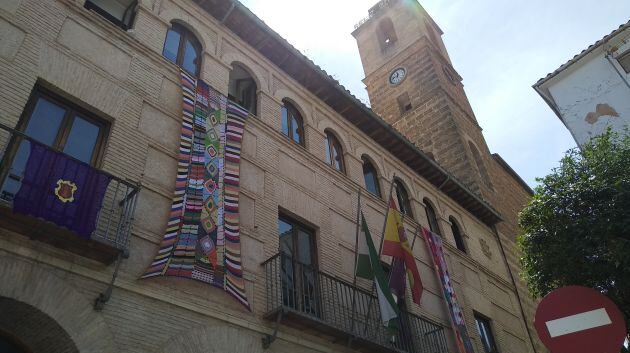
column 483, row 172
column 119, row 12
column 431, row 217
column 386, row 34
column 334, row 152
column 242, row 88
column 292, row 123
column 402, row 196
column 457, row 234
column 183, row 48
column 370, row 177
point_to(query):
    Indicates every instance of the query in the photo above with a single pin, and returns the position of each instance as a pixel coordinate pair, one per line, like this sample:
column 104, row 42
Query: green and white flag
column 369, row 267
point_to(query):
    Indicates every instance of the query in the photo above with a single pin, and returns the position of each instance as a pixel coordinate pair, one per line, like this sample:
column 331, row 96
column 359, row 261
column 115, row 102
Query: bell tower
column 412, row 84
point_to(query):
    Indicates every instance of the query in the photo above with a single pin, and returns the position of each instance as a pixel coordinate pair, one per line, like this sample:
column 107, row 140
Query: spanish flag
column 397, row 246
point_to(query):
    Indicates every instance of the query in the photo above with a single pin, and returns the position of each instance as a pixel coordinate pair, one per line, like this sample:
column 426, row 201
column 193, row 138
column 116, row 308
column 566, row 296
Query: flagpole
column 391, row 191
column 356, row 257
column 413, row 242
column 356, row 237
column 380, row 249
column 418, row 230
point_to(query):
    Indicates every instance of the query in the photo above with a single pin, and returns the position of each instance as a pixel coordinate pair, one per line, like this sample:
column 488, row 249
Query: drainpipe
column 518, row 297
column 448, row 177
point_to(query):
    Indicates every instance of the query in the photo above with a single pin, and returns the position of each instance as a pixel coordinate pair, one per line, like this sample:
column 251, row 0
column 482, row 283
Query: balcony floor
column 317, row 327
column 47, row 232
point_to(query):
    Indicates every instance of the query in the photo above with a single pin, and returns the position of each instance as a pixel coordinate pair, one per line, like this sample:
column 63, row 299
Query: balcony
column 113, row 220
column 310, row 300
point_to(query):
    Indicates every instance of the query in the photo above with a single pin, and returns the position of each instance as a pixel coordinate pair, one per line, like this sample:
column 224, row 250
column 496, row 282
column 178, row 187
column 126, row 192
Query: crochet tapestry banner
column 202, row 239
column 434, row 243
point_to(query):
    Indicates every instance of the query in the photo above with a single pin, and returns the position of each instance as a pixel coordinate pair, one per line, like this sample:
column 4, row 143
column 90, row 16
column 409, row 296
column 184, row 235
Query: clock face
column 397, row 76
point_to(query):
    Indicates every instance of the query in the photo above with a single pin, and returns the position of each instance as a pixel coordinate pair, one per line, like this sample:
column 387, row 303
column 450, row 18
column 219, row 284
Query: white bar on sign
column 578, row 322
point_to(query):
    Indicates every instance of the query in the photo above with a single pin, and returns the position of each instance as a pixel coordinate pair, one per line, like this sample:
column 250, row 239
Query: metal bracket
column 229, row 12
column 350, row 340
column 99, row 302
column 267, row 340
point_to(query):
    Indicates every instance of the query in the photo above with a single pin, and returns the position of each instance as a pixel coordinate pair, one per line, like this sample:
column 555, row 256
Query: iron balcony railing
column 295, row 290
column 115, row 217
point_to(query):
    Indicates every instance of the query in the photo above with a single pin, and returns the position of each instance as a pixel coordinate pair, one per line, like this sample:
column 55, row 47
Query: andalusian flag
column 397, row 246
column 369, row 267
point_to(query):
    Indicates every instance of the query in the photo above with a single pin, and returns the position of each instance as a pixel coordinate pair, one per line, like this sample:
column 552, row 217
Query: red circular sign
column 577, row 319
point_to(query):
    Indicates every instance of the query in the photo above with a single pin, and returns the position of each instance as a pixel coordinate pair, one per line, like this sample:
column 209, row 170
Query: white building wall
column 593, row 93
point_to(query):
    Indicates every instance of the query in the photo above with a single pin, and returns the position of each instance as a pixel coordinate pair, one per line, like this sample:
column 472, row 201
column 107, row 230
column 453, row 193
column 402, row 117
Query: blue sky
column 500, row 48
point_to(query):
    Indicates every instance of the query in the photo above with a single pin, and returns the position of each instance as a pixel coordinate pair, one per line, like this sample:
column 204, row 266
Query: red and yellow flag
column 396, row 245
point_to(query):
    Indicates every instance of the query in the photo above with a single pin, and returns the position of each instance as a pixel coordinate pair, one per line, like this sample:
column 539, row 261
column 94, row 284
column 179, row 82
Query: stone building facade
column 108, row 61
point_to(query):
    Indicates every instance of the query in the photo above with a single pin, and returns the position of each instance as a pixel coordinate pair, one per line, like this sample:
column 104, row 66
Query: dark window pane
column 459, row 240
column 334, row 154
column 248, row 95
column 191, row 56
column 81, row 140
column 336, row 157
column 285, row 231
column 403, row 199
column 285, row 121
column 242, row 88
column 308, row 272
column 171, row 45
column 431, row 217
column 284, row 228
column 120, row 12
column 45, row 122
column 371, row 181
column 43, row 125
column 304, row 247
column 624, row 61
column 292, row 125
column 297, row 130
column 485, row 334
column 298, row 273
column 327, row 144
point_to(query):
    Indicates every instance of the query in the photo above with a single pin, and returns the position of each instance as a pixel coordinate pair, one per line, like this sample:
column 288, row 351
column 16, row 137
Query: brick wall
column 123, row 78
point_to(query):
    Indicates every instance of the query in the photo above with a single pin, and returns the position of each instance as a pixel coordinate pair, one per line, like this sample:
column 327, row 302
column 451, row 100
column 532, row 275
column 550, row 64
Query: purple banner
column 61, row 190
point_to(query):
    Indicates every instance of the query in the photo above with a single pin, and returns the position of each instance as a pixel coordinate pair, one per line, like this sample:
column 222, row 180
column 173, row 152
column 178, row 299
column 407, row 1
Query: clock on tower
column 397, row 76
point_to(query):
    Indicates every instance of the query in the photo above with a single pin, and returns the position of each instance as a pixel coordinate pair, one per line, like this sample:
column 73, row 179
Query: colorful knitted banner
column 434, row 243
column 202, row 239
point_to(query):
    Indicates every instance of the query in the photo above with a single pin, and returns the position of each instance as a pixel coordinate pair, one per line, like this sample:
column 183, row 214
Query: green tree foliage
column 576, row 229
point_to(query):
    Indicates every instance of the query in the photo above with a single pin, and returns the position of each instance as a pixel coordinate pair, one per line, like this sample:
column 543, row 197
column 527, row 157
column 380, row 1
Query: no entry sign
column 577, row 319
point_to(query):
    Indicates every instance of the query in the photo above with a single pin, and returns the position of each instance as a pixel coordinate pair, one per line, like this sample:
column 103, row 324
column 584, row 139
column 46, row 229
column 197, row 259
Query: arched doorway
column 26, row 329
column 44, row 312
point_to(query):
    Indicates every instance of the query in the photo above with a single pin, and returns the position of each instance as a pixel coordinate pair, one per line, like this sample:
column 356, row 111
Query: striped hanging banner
column 434, row 243
column 202, row 239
